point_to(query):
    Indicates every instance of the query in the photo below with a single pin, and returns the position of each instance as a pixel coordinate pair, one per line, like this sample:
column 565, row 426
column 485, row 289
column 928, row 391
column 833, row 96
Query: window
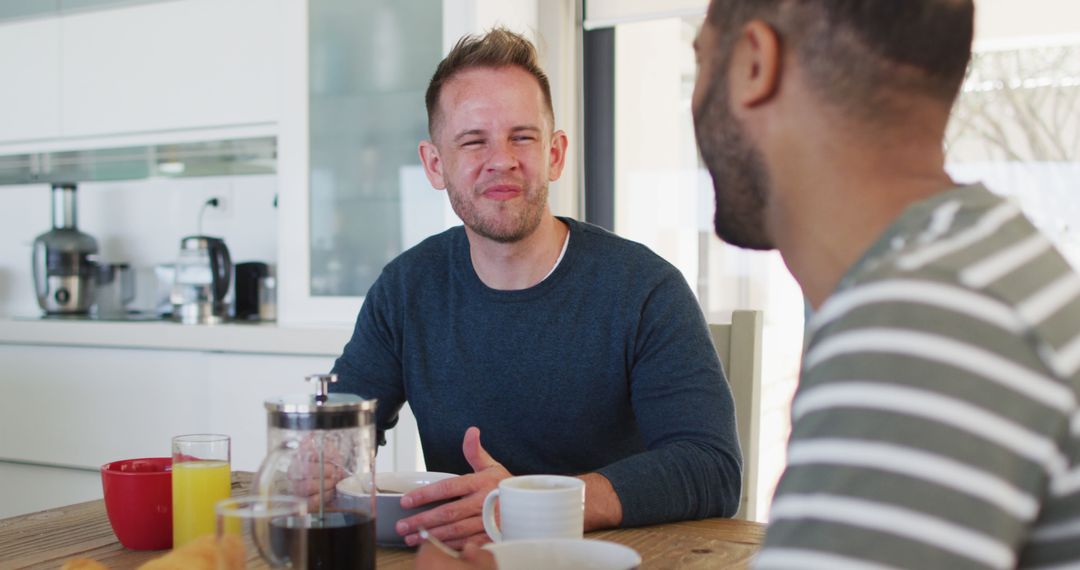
column 1016, row 127
column 663, row 198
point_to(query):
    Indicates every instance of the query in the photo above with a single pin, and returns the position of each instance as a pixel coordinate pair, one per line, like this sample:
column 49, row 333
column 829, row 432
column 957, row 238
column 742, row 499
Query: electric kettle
column 201, row 281
column 314, row 442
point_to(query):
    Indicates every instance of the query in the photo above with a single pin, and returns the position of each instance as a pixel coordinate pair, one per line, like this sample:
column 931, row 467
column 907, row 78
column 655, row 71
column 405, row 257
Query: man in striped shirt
column 936, row 421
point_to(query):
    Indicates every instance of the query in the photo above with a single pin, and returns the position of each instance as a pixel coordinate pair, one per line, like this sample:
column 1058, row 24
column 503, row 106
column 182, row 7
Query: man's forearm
column 679, row 481
column 603, row 509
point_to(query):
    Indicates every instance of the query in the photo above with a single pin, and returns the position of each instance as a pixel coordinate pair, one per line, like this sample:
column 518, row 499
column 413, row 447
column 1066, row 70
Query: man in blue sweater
column 573, row 351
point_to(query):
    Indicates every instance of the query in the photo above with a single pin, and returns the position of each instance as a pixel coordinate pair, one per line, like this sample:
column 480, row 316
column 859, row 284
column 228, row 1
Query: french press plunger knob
column 322, row 389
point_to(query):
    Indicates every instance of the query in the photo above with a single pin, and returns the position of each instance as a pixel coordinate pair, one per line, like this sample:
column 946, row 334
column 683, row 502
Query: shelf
column 209, row 158
column 23, row 9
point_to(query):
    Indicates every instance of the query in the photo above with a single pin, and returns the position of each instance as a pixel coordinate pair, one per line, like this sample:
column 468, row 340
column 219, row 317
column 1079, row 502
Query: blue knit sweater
column 605, row 366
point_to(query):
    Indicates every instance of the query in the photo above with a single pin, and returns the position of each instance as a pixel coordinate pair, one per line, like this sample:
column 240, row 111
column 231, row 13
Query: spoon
column 424, row 534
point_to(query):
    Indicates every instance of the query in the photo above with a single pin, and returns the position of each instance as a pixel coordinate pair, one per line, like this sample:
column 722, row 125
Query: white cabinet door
column 239, row 386
column 171, row 65
column 85, row 407
column 30, row 72
column 241, row 383
column 32, row 488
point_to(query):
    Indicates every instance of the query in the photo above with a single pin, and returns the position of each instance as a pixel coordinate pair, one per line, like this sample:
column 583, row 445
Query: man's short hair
column 498, row 48
column 861, row 53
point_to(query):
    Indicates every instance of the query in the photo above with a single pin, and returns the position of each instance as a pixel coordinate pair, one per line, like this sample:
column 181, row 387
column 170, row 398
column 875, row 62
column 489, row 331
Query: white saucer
column 564, row 554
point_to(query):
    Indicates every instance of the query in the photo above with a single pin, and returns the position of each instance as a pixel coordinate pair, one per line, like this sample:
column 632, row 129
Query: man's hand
column 459, row 522
column 472, row 558
column 603, row 508
column 304, row 472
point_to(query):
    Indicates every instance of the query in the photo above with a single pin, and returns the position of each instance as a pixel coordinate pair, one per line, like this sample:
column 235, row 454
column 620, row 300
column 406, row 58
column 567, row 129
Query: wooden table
column 48, row 538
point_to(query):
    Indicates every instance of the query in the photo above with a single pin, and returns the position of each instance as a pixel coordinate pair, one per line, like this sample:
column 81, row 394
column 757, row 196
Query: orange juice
column 196, row 487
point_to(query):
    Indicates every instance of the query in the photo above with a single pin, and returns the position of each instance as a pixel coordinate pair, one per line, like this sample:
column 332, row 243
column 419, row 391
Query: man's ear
column 756, row 62
column 557, row 155
column 433, row 167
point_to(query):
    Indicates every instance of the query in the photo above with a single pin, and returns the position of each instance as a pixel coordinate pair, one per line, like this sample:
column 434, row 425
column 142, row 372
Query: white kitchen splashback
column 138, row 222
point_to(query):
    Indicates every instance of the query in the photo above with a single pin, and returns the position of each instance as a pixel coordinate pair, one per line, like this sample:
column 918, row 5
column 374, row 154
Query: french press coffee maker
column 316, row 445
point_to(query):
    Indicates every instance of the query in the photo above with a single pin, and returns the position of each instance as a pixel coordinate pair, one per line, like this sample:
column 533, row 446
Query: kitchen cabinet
column 53, row 487
column 30, row 68
column 172, row 65
column 353, row 192
column 78, row 394
column 353, row 112
column 89, row 406
column 81, row 406
column 208, row 68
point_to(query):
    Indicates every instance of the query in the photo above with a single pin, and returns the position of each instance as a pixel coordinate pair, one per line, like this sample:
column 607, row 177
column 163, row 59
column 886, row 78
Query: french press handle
column 220, row 267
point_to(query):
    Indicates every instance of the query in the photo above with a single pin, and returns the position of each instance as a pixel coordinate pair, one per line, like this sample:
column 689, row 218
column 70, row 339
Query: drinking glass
column 268, row 526
column 200, row 478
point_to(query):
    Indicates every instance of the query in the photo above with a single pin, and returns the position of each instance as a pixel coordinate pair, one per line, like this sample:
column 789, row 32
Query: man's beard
column 517, row 228
column 740, row 179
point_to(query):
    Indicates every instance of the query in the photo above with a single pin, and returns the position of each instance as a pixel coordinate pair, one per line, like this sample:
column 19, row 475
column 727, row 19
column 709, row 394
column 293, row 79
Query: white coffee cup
column 536, row 506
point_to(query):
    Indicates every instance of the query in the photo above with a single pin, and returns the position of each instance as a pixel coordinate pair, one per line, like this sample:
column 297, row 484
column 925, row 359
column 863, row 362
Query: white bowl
column 564, row 554
column 391, row 486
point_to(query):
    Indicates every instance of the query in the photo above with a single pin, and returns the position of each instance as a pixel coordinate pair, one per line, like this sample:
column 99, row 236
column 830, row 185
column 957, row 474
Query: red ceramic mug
column 138, row 499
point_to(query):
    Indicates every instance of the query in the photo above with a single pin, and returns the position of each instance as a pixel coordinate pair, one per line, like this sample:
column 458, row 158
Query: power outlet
column 224, row 207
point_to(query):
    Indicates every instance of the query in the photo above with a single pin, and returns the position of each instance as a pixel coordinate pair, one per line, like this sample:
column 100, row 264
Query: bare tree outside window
column 1016, row 126
column 1019, row 106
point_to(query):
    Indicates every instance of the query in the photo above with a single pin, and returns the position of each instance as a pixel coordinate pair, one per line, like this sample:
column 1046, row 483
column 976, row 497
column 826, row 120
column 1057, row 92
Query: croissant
column 83, row 564
column 205, row 553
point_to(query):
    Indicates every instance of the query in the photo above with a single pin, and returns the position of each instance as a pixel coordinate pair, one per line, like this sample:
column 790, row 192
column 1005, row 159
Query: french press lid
column 321, row 410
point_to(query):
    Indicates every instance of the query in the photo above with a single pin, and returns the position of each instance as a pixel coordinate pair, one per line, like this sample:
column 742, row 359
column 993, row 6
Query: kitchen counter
column 248, row 338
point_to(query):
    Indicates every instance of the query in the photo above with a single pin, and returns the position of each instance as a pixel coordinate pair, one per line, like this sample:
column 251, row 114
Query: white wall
column 139, row 222
column 1009, row 20
column 600, row 13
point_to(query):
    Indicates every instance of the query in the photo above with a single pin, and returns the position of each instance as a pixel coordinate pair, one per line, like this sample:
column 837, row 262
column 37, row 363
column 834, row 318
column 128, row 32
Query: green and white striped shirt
column 936, row 422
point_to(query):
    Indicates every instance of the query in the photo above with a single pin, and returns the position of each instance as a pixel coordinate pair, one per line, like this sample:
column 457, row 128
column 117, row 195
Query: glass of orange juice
column 200, row 478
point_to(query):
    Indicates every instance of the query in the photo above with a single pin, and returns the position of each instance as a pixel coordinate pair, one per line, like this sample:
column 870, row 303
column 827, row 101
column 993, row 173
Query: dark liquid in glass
column 341, row 540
